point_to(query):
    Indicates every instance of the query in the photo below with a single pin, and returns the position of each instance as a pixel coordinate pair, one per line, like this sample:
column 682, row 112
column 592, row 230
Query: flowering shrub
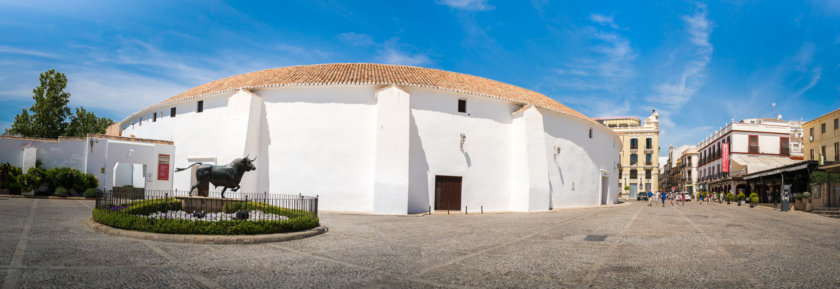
column 215, row 217
column 166, row 216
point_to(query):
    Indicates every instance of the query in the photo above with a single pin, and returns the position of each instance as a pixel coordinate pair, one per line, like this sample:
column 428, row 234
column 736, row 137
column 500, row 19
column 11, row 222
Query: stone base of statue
column 206, row 204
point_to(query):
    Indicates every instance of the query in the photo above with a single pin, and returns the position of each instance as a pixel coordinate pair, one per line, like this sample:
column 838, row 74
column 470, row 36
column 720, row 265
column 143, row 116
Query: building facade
column 390, row 139
column 688, row 170
column 822, row 141
column 741, row 148
column 680, row 169
column 639, row 153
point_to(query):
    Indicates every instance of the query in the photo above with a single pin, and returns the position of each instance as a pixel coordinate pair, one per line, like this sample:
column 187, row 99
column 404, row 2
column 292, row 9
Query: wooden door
column 447, row 193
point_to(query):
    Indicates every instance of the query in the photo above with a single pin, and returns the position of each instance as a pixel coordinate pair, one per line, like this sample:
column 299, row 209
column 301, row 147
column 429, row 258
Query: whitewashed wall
column 51, row 153
column 484, row 163
column 575, row 173
column 330, row 140
column 321, row 141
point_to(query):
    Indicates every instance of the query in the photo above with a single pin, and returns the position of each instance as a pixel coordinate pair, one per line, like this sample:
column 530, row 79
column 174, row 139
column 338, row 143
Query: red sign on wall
column 163, row 168
column 725, row 159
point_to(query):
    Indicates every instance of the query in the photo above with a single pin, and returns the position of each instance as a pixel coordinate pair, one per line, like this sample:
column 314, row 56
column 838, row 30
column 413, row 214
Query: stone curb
column 205, row 239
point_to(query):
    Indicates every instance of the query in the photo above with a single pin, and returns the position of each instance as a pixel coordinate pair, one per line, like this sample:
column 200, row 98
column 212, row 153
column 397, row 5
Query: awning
column 749, row 164
column 799, row 165
column 830, row 167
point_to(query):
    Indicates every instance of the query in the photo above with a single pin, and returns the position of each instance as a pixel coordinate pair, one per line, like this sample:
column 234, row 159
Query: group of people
column 678, row 197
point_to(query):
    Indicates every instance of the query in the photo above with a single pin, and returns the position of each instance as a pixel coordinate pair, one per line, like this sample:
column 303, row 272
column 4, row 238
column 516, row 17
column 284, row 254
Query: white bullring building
column 389, row 139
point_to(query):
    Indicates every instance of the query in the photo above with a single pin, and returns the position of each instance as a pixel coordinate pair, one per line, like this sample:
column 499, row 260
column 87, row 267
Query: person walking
column 671, row 197
column 683, row 199
column 663, row 196
column 650, row 198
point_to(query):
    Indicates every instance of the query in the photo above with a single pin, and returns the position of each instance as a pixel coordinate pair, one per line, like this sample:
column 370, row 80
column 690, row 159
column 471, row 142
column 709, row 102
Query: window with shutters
column 753, row 144
column 784, row 148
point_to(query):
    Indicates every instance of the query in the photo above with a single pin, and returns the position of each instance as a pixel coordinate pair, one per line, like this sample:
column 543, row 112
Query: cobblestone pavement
column 45, row 244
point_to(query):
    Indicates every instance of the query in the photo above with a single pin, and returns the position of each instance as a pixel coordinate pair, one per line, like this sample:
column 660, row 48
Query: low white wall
column 51, row 153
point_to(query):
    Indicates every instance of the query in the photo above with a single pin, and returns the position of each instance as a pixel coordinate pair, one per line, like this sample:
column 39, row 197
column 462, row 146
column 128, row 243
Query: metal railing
column 236, row 206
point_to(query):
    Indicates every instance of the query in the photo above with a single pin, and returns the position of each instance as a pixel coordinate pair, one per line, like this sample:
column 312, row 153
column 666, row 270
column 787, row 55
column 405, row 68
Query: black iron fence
column 181, row 206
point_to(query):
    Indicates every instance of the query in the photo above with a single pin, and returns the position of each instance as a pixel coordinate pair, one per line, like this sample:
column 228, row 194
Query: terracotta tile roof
column 376, row 74
column 132, row 139
column 113, row 130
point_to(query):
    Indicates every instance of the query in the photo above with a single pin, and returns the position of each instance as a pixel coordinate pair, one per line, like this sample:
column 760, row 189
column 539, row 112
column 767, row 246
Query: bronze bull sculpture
column 227, row 176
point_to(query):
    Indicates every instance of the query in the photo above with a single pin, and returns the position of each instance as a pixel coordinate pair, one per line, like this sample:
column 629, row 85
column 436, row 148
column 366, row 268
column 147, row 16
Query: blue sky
column 699, row 63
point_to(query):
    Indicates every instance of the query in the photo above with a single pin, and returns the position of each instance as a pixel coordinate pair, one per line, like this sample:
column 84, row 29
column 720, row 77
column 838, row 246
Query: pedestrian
column 671, row 198
column 664, row 195
column 650, row 197
column 683, row 198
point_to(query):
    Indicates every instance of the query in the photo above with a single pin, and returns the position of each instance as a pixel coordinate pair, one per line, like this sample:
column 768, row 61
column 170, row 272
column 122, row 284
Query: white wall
column 51, row 153
column 137, row 154
column 483, row 164
column 324, row 141
column 321, row 142
column 575, row 172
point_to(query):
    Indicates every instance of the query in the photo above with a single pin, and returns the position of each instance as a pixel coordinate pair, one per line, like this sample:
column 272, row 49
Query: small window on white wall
column 462, row 105
column 200, row 107
column 590, row 132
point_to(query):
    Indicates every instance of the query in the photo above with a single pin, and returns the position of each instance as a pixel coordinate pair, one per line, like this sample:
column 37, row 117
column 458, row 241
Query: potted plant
column 753, row 200
column 729, row 198
column 797, row 202
column 741, row 198
column 806, row 200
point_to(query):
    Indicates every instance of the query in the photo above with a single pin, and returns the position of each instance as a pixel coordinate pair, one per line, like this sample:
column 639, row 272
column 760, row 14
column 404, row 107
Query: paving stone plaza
column 46, row 244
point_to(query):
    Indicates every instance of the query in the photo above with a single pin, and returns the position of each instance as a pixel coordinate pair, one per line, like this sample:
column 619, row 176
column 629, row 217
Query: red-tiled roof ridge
column 376, row 74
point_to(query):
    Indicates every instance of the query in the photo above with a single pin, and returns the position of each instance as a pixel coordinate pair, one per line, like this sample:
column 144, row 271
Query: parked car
column 642, row 196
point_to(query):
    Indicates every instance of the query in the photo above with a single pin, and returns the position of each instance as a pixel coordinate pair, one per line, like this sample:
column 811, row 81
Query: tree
column 49, row 118
column 22, row 124
column 85, row 122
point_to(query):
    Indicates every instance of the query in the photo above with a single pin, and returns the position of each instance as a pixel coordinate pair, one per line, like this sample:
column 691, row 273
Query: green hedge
column 126, row 217
column 54, row 178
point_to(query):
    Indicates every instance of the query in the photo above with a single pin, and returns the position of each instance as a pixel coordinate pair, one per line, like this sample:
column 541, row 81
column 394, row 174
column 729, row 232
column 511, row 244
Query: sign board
column 725, row 158
column 163, row 168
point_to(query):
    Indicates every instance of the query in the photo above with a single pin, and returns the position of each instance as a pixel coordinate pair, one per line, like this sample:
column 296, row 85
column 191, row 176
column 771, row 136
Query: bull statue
column 227, row 176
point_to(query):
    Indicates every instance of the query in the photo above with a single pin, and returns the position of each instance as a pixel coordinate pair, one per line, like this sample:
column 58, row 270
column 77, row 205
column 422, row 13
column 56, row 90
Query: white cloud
column 356, row 39
column 300, row 51
column 606, row 65
column 119, row 92
column 27, row 52
column 472, row 5
column 688, row 75
column 394, row 56
column 603, row 20
column 815, row 77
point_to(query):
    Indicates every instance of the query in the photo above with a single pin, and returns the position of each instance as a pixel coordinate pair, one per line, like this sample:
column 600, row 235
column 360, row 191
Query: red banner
column 724, row 167
column 163, row 168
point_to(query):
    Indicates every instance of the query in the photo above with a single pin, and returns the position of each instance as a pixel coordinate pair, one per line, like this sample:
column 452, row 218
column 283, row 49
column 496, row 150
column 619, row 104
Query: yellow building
column 822, row 138
column 639, row 153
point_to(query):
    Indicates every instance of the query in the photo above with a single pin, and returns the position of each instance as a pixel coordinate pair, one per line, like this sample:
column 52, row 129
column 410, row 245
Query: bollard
column 466, row 210
column 482, row 209
column 430, row 210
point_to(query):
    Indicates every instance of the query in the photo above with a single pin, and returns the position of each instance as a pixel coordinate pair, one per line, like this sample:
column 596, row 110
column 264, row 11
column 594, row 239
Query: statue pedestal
column 206, row 204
